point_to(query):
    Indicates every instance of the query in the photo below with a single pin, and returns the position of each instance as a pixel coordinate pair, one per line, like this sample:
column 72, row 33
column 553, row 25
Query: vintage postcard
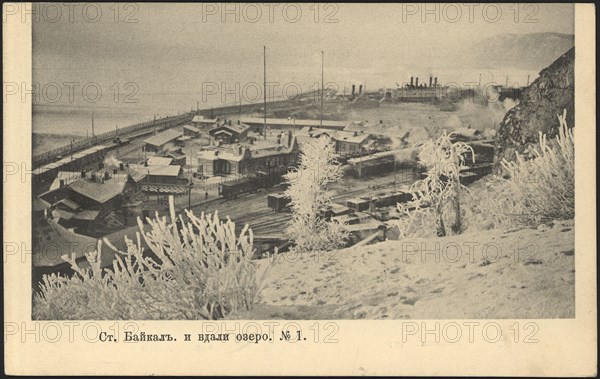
column 299, row 189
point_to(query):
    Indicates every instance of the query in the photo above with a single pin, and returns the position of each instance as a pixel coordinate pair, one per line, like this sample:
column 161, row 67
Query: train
column 253, row 183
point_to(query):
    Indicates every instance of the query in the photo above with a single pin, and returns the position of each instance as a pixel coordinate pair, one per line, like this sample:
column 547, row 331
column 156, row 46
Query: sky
column 174, row 49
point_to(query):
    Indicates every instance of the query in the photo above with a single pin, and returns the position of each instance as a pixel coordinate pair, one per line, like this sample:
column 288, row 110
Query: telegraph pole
column 265, row 90
column 322, row 86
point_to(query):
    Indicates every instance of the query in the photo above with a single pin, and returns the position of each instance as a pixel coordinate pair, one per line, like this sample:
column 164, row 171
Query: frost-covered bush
column 309, row 194
column 544, row 184
column 201, row 270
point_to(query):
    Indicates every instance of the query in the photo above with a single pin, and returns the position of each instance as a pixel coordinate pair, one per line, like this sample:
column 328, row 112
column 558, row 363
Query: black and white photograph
column 330, row 162
column 223, row 168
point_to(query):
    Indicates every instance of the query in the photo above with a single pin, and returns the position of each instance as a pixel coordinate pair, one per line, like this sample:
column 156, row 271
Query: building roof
column 67, row 176
column 352, row 137
column 70, row 204
column 87, row 215
column 46, row 254
column 159, row 161
column 203, row 120
column 296, row 123
column 164, row 137
column 235, row 128
column 191, row 128
column 40, row 205
column 172, row 170
column 98, row 191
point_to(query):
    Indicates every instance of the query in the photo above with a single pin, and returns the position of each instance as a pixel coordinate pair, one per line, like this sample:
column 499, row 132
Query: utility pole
column 190, row 196
column 265, row 90
column 93, row 135
column 322, row 86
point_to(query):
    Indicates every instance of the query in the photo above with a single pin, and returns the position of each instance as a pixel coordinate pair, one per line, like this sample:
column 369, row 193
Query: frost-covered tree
column 440, row 189
column 308, row 192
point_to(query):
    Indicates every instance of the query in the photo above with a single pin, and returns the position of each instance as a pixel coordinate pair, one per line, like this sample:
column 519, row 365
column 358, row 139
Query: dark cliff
column 551, row 93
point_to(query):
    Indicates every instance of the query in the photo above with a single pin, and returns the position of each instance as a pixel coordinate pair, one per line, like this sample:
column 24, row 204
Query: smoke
column 509, row 103
column 479, row 116
column 111, row 161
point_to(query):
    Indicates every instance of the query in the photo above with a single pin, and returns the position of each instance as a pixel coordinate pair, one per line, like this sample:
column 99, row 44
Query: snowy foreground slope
column 469, row 276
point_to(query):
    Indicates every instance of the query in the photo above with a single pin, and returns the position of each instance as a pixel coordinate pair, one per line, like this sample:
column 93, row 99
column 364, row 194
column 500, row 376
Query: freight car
column 261, row 179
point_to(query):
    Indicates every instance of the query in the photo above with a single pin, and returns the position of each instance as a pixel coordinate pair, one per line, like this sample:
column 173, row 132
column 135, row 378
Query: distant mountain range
column 522, row 51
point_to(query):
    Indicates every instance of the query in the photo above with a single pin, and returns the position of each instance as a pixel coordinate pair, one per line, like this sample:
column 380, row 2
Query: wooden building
column 249, row 159
column 202, row 123
column 159, row 141
column 191, row 131
column 229, row 133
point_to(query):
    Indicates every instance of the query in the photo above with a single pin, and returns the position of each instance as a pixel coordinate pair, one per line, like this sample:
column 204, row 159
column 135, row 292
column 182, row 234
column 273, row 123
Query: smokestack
column 430, row 81
column 416, row 82
column 411, row 81
column 435, row 82
column 353, row 89
column 360, row 89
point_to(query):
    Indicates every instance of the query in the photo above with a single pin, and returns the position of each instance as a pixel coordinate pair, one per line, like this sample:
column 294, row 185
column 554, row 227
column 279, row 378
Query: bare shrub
column 309, row 194
column 544, row 185
column 201, row 270
column 436, row 199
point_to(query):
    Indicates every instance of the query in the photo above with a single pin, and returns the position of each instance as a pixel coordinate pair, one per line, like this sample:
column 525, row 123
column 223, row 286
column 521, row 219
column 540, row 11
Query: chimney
column 279, row 139
column 430, row 81
column 238, row 122
column 121, row 166
column 115, row 171
column 289, row 142
column 360, row 89
column 83, row 173
column 355, row 134
column 106, row 175
column 93, row 177
column 229, row 122
column 353, row 89
column 62, row 183
column 216, row 153
column 416, row 82
column 381, row 121
column 240, row 150
column 411, row 81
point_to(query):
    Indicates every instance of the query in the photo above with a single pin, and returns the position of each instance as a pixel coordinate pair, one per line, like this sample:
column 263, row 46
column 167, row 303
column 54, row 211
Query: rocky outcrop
column 551, row 93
